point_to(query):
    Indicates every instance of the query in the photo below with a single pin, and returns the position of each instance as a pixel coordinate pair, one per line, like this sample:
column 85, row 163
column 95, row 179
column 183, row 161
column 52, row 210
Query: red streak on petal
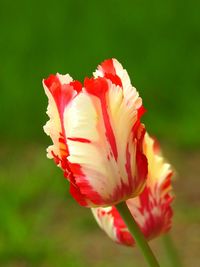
column 141, row 112
column 156, row 145
column 108, row 67
column 142, row 166
column 167, row 182
column 155, row 224
column 122, row 191
column 61, row 140
column 141, row 160
column 99, row 87
column 62, row 94
column 78, row 139
column 75, row 192
column 109, row 131
column 76, row 85
column 96, row 86
column 144, row 199
column 56, row 158
column 84, row 186
column 50, row 80
column 113, row 78
column 128, row 167
column 123, row 235
column 109, row 72
column 126, row 238
column 136, row 182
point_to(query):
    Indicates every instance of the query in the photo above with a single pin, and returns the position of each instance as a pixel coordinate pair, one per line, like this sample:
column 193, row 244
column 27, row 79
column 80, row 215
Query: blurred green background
column 158, row 42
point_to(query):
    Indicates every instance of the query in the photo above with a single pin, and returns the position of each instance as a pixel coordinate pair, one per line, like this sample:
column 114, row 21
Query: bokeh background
column 158, row 42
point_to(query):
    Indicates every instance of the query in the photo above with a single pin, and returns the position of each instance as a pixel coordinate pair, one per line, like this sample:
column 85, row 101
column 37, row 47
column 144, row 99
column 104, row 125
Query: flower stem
column 137, row 234
column 172, row 254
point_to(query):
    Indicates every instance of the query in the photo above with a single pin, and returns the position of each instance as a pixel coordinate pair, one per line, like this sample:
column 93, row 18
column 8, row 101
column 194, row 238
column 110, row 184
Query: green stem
column 137, row 234
column 171, row 251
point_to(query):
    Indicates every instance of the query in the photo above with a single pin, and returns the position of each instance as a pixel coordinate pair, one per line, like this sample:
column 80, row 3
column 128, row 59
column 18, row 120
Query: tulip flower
column 151, row 209
column 97, row 135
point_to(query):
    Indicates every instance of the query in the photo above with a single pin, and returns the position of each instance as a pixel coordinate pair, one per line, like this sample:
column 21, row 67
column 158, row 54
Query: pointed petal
column 60, row 90
column 54, row 86
column 111, row 222
column 114, row 71
column 99, row 127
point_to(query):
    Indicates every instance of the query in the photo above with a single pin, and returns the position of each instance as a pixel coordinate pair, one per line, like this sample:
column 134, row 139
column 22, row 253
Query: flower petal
column 114, row 71
column 112, row 223
column 99, row 127
column 151, row 209
column 60, row 90
column 54, row 87
column 106, row 222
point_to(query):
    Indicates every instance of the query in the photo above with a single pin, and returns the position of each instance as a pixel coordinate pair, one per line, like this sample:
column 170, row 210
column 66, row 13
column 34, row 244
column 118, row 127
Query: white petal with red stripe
column 53, row 127
column 107, row 222
column 151, row 209
column 98, row 126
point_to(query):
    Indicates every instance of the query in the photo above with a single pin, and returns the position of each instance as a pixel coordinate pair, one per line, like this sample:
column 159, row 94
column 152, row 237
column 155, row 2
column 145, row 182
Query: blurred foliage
column 156, row 41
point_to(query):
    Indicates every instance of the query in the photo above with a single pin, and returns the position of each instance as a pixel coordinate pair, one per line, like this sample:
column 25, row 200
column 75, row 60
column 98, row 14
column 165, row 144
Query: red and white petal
column 88, row 149
column 151, row 209
column 53, row 127
column 159, row 169
column 125, row 114
column 111, row 222
column 114, row 71
column 98, row 147
column 61, row 90
column 105, row 221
